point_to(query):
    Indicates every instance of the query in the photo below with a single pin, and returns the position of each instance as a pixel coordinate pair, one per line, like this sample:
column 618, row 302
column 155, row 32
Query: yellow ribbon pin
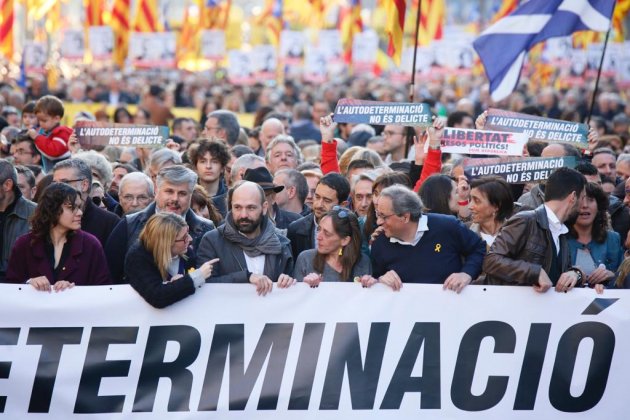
column 438, row 247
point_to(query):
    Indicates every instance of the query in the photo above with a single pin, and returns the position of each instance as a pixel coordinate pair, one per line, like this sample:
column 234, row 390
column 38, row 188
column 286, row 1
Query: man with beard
column 175, row 185
column 531, row 247
column 248, row 247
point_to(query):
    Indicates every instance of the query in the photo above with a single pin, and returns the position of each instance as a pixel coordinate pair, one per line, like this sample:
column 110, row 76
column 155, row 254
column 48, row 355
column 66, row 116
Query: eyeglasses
column 391, row 133
column 68, row 181
column 22, row 152
column 128, row 198
column 384, row 217
column 97, row 200
column 186, row 238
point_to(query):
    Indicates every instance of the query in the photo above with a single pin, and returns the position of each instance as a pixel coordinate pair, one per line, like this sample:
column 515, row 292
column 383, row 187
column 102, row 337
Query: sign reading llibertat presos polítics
column 538, row 128
column 381, row 113
column 92, row 134
column 481, row 142
column 516, row 170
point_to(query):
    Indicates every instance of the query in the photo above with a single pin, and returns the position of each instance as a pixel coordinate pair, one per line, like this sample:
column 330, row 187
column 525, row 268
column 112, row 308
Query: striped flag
column 187, row 42
column 618, row 21
column 147, row 19
column 214, row 14
column 120, row 26
column 432, row 18
column 395, row 27
column 6, row 28
column 502, row 47
column 350, row 24
column 94, row 12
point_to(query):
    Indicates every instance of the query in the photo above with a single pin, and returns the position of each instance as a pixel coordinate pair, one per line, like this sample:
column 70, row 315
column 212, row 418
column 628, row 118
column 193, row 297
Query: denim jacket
column 609, row 252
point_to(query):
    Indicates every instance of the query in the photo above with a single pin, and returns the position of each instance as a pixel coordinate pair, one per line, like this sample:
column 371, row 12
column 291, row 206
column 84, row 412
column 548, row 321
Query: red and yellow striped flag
column 214, row 13
column 395, row 27
column 622, row 8
column 188, row 40
column 147, row 17
column 507, row 7
column 432, row 18
column 94, row 12
column 350, row 24
column 120, row 26
column 6, row 28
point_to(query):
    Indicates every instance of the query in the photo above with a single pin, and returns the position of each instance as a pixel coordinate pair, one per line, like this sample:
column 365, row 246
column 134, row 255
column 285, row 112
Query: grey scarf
column 265, row 243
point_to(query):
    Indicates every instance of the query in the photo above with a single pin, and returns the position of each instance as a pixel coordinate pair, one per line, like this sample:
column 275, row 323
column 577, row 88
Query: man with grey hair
column 78, row 174
column 223, row 125
column 102, row 172
column 136, row 193
column 422, row 248
column 293, row 196
column 282, row 153
column 269, row 130
column 175, row 185
column 161, row 158
column 623, row 166
column 244, row 163
column 15, row 212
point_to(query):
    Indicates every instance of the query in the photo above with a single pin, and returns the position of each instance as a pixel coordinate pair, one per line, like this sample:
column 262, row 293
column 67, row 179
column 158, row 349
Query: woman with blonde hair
column 160, row 266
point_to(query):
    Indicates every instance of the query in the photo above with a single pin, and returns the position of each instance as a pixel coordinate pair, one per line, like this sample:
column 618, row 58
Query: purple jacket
column 85, row 265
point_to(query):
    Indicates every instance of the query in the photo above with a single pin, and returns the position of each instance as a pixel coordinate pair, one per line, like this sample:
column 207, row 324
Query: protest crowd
column 299, row 197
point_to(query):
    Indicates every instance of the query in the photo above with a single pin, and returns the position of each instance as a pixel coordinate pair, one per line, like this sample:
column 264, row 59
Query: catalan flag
column 507, row 7
column 94, row 12
column 395, row 27
column 187, row 42
column 214, row 13
column 120, row 25
column 274, row 20
column 619, row 16
column 6, row 28
column 147, row 19
column 350, row 23
column 432, row 18
column 318, row 10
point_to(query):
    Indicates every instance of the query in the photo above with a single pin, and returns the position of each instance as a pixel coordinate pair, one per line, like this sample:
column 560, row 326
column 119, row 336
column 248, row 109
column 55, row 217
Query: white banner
column 72, row 44
column 335, row 352
column 213, row 45
column 101, row 42
column 482, row 142
column 152, row 49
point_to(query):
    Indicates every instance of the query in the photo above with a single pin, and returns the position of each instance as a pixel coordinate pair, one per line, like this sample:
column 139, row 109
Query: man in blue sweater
column 422, row 248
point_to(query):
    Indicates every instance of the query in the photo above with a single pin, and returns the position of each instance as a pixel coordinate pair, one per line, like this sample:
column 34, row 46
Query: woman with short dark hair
column 491, row 204
column 56, row 254
column 439, row 195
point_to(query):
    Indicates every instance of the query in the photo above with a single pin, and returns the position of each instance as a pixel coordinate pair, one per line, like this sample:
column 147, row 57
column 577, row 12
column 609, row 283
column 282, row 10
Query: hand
column 285, row 281
column 40, row 283
column 32, row 133
column 457, row 281
column 206, row 268
column 62, row 285
column 435, row 133
column 367, row 280
column 73, row 143
column 327, row 128
column 376, row 233
column 463, row 188
column 176, row 277
column 174, row 146
column 263, row 283
column 418, row 147
column 600, row 275
column 392, row 280
column 544, row 283
column 480, row 122
column 567, row 281
column 313, row 279
column 599, row 289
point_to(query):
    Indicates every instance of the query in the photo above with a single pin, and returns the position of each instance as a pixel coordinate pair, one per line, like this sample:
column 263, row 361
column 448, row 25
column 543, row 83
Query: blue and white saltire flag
column 502, row 47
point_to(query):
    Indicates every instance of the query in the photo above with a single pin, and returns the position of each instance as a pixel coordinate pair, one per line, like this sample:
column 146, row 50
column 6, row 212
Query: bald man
column 269, row 129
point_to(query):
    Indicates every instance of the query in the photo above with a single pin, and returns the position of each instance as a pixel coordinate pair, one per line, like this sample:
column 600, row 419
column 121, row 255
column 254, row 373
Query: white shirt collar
column 423, row 226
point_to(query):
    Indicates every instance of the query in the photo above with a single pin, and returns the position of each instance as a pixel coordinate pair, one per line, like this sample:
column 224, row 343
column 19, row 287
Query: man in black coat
column 332, row 190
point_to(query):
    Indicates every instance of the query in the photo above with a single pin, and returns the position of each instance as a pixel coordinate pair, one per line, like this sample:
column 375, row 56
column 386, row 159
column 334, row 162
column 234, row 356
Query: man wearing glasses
column 78, row 174
column 15, row 212
column 136, row 192
column 422, row 248
column 222, row 125
column 24, row 152
column 175, row 185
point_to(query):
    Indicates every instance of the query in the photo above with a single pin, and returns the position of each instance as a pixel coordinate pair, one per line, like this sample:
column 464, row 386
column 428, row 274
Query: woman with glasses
column 160, row 266
column 337, row 256
column 56, row 254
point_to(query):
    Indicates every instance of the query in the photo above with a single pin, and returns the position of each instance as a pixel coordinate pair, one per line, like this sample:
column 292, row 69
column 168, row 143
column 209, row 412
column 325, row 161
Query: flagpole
column 412, row 87
column 599, row 73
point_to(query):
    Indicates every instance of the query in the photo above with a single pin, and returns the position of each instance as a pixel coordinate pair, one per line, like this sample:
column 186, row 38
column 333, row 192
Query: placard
column 213, row 45
column 516, row 170
column 380, row 113
column 91, row 134
column 72, row 44
column 101, row 42
column 153, row 49
column 482, row 142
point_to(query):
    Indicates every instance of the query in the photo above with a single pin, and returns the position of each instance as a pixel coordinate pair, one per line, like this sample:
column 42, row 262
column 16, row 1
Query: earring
column 340, row 251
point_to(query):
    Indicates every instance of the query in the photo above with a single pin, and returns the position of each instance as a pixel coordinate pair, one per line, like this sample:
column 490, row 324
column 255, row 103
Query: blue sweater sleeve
column 473, row 249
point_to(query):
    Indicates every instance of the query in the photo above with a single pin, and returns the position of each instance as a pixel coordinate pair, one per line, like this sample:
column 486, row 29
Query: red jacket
column 55, row 144
column 329, row 162
column 432, row 165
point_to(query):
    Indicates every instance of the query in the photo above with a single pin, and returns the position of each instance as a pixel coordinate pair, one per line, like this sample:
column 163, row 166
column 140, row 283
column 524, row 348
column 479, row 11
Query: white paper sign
column 213, row 45
column 101, row 42
column 152, row 49
column 72, row 45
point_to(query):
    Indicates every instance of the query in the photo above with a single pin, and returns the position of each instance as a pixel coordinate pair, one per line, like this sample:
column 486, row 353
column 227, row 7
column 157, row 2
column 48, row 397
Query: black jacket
column 128, row 229
column 301, row 233
column 98, row 222
column 284, row 218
